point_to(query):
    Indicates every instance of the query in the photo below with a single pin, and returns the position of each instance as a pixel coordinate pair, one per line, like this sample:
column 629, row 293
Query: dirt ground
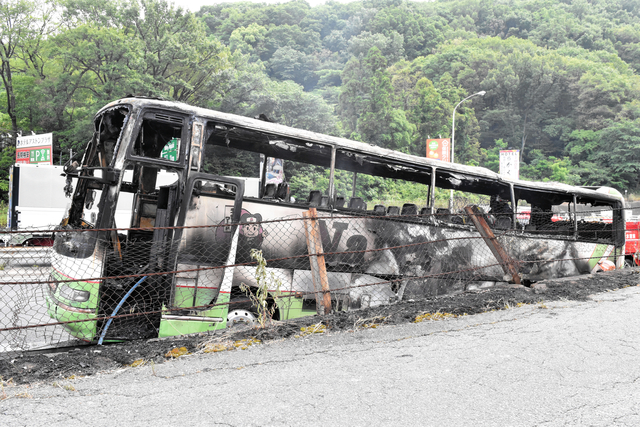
column 88, row 360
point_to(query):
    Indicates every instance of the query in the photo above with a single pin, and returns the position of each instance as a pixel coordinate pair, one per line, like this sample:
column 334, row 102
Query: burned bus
column 176, row 262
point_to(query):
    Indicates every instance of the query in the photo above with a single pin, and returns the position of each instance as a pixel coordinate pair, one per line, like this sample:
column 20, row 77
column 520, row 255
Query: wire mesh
column 343, row 259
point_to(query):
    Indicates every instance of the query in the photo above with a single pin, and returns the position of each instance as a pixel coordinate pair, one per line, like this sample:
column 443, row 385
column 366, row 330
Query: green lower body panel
column 291, row 307
column 201, row 321
column 174, row 325
column 216, row 318
column 84, row 324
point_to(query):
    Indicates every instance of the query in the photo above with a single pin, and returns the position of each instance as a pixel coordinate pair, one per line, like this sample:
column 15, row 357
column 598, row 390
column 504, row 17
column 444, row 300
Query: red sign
column 439, row 149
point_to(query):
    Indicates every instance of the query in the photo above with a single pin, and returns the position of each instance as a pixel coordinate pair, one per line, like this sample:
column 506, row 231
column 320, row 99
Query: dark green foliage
column 561, row 76
column 7, row 158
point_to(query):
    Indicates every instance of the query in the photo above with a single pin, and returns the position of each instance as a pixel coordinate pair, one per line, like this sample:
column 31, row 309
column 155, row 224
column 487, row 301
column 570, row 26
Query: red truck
column 632, row 245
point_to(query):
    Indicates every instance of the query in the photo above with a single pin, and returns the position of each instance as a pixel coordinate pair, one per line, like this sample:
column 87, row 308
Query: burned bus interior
column 544, row 203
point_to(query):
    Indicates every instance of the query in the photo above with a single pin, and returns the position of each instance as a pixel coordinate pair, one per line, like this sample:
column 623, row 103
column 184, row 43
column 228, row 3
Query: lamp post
column 453, row 135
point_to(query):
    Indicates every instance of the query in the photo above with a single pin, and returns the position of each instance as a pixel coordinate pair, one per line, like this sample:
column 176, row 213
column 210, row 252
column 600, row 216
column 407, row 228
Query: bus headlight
column 71, row 294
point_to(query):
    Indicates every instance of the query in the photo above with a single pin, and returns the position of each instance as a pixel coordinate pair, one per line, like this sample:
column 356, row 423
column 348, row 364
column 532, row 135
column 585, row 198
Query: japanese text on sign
column 510, row 163
column 34, row 149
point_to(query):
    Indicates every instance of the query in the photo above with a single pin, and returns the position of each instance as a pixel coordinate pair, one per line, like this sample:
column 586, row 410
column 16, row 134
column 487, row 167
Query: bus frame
column 93, row 270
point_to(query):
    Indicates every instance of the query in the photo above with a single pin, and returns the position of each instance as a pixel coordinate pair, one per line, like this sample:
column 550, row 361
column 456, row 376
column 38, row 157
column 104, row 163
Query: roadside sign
column 35, row 149
column 438, row 149
column 170, row 150
column 510, row 163
column 275, row 170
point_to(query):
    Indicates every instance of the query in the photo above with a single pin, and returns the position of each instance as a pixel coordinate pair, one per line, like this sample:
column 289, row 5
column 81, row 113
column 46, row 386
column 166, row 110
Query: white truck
column 36, row 204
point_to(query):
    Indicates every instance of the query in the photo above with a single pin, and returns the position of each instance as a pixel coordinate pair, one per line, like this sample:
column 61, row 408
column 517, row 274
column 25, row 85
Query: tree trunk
column 524, row 137
column 11, row 98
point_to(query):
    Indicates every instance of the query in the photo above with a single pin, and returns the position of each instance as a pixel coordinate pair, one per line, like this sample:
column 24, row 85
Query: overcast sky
column 194, row 5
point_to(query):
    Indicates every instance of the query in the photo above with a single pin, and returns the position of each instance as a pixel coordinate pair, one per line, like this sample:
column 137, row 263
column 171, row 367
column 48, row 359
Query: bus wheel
column 240, row 316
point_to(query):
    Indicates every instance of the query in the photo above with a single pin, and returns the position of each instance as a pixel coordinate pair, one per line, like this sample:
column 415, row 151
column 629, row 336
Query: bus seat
column 283, row 192
column 425, row 215
column 393, row 210
column 409, row 209
column 269, row 191
column 457, row 219
column 324, row 201
column 443, row 214
column 357, row 203
column 340, row 201
column 315, row 197
column 379, row 210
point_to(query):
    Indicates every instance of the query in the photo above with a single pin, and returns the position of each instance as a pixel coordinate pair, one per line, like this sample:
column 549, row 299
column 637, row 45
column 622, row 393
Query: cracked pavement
column 550, row 364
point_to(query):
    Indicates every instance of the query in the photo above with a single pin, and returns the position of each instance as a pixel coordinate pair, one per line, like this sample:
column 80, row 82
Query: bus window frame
column 185, row 140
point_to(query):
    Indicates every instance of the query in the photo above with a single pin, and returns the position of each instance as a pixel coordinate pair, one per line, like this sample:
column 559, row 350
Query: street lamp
column 453, row 135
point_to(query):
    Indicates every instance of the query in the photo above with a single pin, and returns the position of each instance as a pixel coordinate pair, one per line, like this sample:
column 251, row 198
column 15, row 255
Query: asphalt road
column 566, row 363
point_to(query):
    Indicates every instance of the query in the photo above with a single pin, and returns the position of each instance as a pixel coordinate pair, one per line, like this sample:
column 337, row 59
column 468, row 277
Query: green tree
column 23, row 25
column 177, row 56
column 619, row 154
column 7, row 159
column 493, row 155
column 248, row 40
column 290, row 64
column 367, row 104
column 543, row 168
column 287, row 103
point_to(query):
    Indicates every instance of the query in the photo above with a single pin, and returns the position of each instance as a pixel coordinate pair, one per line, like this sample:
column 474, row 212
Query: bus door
column 139, row 251
column 205, row 243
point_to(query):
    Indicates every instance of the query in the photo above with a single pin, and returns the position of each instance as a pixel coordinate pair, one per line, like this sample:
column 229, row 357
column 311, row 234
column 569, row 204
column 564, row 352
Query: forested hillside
column 561, row 77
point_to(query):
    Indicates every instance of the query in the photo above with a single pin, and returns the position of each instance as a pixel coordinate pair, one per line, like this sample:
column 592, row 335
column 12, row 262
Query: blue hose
column 104, row 331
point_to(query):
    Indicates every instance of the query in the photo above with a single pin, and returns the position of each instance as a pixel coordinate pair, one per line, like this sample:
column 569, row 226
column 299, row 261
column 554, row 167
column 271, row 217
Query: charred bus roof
column 276, row 140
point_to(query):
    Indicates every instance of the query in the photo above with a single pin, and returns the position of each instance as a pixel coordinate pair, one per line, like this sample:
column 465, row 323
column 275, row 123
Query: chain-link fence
column 122, row 284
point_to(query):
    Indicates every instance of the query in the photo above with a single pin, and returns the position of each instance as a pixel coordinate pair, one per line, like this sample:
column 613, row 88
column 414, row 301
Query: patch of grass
column 74, row 377
column 369, row 323
column 318, row 328
column 67, row 387
column 243, row 344
column 138, row 362
column 10, row 384
column 246, row 343
column 4, row 209
column 3, row 384
column 434, row 316
column 24, row 395
column 176, row 352
column 216, row 347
